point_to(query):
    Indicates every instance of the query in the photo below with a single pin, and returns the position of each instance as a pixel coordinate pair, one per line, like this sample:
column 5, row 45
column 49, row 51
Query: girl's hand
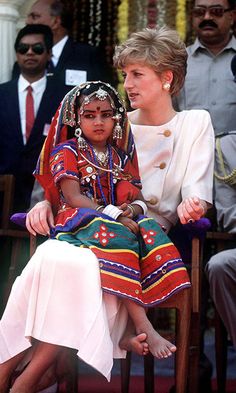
column 130, row 224
column 126, row 210
column 191, row 209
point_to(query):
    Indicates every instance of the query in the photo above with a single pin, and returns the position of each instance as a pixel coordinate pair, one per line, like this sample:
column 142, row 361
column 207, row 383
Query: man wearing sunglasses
column 209, row 82
column 25, row 118
column 72, row 62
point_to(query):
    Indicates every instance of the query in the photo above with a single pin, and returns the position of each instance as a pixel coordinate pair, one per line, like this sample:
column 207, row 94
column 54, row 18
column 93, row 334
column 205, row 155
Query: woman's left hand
column 191, row 209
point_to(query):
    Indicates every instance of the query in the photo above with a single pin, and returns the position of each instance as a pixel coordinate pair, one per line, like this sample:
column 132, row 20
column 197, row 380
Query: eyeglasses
column 38, row 48
column 218, row 12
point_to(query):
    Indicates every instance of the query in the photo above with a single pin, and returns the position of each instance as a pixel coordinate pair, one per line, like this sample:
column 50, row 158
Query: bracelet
column 141, row 204
column 99, row 207
column 112, row 211
column 132, row 209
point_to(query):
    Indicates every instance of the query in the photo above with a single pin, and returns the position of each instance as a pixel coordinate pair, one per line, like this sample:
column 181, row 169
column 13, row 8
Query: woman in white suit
column 176, row 156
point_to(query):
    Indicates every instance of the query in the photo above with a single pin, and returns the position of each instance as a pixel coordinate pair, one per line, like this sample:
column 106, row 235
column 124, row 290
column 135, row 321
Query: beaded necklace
column 111, row 193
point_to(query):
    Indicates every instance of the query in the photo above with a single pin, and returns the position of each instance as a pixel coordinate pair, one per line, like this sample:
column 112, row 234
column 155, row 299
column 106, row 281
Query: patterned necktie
column 29, row 111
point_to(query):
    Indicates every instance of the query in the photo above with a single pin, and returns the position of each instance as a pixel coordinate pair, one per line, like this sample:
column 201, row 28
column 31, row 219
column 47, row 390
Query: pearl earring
column 166, row 86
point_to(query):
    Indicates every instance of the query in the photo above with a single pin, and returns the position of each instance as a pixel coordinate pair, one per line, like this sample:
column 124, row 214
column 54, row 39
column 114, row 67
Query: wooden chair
column 187, row 328
column 221, row 241
column 8, row 230
column 68, row 383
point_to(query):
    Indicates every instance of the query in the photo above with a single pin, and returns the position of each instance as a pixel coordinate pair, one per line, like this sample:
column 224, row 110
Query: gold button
column 162, row 165
column 152, row 200
column 167, row 133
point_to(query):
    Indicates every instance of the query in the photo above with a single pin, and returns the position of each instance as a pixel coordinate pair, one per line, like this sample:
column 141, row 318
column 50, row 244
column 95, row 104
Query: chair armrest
column 198, row 228
column 19, row 219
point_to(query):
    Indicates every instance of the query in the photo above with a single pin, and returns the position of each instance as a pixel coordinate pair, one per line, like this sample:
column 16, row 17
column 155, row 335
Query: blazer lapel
column 13, row 106
column 65, row 54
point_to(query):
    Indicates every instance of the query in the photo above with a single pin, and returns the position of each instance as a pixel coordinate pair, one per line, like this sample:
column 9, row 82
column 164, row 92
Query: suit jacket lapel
column 66, row 52
column 13, row 106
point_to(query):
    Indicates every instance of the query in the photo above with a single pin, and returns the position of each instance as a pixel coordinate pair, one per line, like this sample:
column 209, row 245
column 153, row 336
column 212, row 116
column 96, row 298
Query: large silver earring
column 166, row 86
column 82, row 145
column 117, row 131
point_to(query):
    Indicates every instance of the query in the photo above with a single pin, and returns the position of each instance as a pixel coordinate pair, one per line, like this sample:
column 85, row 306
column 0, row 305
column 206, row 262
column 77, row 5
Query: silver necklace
column 102, row 157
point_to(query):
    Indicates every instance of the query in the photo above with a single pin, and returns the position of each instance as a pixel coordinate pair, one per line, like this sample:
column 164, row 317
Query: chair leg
column 149, row 373
column 193, row 380
column 125, row 373
column 15, row 252
column 221, row 353
column 182, row 342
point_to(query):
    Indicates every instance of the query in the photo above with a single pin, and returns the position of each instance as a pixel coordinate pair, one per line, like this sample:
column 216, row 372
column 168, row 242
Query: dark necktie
column 50, row 68
column 29, row 112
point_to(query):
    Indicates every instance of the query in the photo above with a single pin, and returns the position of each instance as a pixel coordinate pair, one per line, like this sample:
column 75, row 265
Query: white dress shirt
column 57, row 49
column 38, row 88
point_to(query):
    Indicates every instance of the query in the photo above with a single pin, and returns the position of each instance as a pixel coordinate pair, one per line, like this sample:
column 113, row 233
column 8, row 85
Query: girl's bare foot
column 135, row 344
column 159, row 346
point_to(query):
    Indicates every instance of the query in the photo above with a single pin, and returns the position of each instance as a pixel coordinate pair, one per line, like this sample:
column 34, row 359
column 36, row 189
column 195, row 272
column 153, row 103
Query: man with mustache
column 209, row 82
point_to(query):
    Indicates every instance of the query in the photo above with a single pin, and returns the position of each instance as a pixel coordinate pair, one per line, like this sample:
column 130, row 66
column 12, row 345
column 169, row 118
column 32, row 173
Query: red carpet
column 98, row 384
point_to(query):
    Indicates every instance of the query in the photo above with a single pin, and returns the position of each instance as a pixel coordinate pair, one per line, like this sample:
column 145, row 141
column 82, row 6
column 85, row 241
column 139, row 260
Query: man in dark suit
column 72, row 62
column 19, row 152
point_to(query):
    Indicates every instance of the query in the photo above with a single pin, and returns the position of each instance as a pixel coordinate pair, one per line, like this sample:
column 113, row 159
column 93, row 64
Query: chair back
column 7, row 187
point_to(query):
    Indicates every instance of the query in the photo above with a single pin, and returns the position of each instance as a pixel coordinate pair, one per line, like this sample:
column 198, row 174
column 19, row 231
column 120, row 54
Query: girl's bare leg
column 157, row 345
column 6, row 370
column 48, row 378
column 42, row 359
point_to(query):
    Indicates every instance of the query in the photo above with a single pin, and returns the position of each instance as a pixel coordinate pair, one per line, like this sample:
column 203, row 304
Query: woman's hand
column 40, row 219
column 130, row 224
column 191, row 209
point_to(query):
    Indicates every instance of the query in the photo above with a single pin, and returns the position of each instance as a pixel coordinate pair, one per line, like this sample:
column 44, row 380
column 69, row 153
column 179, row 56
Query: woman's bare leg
column 43, row 357
column 157, row 345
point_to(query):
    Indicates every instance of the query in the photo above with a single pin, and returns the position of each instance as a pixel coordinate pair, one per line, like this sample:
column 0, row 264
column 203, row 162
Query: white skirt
column 58, row 299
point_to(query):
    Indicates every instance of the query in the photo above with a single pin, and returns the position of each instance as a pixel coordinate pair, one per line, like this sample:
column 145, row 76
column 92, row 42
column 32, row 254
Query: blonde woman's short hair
column 158, row 48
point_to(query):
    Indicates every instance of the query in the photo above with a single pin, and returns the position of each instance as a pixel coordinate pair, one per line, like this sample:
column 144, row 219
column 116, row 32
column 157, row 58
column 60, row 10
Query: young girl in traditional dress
column 88, row 168
column 100, row 206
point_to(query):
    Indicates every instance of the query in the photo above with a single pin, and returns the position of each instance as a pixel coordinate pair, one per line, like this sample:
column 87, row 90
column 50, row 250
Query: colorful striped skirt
column 146, row 268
